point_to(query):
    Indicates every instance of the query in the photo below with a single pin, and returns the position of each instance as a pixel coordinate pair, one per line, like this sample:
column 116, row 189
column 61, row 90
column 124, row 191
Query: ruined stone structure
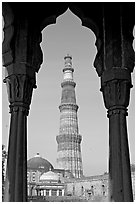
column 93, row 187
column 69, row 150
column 112, row 24
column 46, row 183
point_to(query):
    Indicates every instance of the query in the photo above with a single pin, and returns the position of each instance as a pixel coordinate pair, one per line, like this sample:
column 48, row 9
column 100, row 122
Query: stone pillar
column 116, row 93
column 42, row 193
column 21, row 58
column 58, row 192
column 114, row 63
column 50, row 192
column 63, row 192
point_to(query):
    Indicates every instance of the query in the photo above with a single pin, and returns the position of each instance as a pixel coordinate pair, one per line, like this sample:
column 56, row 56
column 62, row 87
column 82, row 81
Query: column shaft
column 119, row 162
column 16, row 175
column 127, row 182
column 115, row 162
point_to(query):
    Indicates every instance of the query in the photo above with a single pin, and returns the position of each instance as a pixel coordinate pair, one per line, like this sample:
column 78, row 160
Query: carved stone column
column 21, row 58
column 20, row 89
column 116, row 92
column 114, row 63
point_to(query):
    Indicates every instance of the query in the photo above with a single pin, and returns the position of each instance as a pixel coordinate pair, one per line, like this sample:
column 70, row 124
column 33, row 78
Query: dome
column 50, row 175
column 39, row 163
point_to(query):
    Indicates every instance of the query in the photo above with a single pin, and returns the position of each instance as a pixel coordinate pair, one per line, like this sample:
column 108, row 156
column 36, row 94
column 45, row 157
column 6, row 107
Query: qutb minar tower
column 69, row 150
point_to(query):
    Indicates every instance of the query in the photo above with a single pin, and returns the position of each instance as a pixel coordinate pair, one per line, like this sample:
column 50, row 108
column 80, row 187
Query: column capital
column 116, row 94
column 115, row 86
column 19, row 88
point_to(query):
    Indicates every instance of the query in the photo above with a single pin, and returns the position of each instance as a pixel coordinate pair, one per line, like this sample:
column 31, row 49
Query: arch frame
column 22, row 33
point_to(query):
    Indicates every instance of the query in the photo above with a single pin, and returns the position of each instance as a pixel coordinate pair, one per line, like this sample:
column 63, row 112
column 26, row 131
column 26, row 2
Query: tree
column 132, row 167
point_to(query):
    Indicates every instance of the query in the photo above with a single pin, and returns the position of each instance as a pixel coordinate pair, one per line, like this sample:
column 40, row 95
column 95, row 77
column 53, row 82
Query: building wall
column 33, row 176
column 86, row 187
column 90, row 187
column 32, row 179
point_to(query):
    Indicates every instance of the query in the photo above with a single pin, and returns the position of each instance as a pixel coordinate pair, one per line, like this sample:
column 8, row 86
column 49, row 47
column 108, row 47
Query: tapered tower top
column 68, row 70
column 68, row 60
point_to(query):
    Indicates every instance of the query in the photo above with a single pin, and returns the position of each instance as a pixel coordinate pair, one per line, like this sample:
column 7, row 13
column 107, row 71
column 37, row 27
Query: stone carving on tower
column 69, row 140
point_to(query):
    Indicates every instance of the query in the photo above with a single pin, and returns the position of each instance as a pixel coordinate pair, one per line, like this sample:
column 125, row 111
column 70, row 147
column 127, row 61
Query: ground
column 70, row 199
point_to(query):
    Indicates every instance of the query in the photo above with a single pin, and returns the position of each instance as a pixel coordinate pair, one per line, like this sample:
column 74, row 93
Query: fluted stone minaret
column 69, row 150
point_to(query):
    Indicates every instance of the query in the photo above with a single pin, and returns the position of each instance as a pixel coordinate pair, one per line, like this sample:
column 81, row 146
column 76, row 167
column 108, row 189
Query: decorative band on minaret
column 69, row 150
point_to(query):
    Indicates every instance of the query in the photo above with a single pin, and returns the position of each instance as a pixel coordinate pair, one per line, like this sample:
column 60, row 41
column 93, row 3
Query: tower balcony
column 68, row 83
column 68, row 106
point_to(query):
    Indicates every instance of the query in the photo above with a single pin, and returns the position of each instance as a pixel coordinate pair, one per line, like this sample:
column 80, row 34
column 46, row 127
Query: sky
column 68, row 36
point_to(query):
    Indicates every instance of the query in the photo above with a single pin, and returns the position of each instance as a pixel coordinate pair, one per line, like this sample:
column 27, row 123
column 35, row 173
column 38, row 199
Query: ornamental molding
column 68, row 68
column 68, row 82
column 68, row 106
column 117, row 110
column 16, row 107
column 69, row 138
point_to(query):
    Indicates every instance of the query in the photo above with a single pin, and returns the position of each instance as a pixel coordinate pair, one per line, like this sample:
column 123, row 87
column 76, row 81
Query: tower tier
column 69, row 149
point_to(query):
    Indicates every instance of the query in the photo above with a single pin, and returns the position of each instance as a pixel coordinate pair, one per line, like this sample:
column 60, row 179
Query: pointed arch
column 75, row 9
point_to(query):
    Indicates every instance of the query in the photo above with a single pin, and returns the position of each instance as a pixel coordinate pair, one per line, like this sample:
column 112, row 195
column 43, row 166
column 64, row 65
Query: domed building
column 50, row 184
column 49, row 176
column 43, row 179
column 36, row 166
column 37, row 162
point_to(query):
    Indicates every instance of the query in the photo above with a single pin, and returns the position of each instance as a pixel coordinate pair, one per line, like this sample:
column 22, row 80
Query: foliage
column 132, row 167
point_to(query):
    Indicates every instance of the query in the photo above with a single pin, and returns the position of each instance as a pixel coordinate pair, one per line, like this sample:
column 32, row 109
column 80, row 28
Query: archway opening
column 50, row 111
column 82, row 84
column 69, row 36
